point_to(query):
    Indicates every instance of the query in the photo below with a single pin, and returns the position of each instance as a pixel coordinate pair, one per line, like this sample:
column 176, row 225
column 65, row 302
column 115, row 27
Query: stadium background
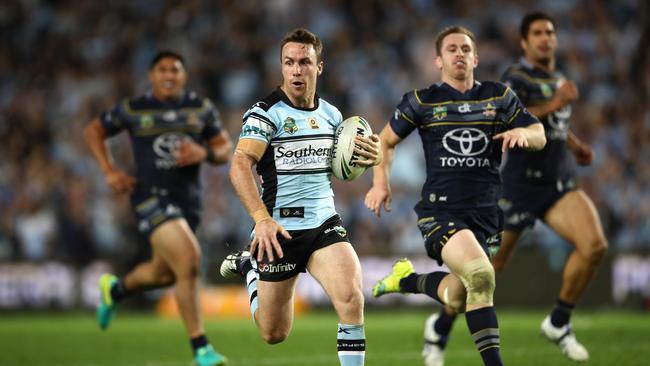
column 62, row 62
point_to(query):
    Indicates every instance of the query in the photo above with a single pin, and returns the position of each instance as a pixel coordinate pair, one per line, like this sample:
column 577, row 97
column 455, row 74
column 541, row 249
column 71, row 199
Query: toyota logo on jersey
column 466, row 143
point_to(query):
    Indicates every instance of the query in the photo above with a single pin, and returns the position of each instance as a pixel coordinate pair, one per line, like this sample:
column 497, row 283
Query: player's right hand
column 567, row 92
column 377, row 196
column 266, row 239
column 120, row 181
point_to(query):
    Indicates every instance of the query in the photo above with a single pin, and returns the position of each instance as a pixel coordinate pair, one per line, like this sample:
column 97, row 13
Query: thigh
column 574, row 217
column 275, row 301
column 336, row 267
column 175, row 243
column 461, row 248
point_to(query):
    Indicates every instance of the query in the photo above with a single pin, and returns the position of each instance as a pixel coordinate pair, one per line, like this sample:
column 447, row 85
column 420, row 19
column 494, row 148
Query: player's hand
column 120, row 181
column 567, row 92
column 377, row 196
column 584, row 154
column 190, row 153
column 512, row 138
column 369, row 148
column 266, row 239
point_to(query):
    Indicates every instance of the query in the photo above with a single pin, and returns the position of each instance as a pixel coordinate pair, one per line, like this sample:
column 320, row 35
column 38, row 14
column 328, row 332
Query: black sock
column 423, row 283
column 443, row 325
column 118, row 291
column 198, row 342
column 484, row 327
column 561, row 313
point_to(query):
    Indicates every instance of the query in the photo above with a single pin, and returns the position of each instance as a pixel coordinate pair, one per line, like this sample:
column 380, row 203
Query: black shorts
column 523, row 203
column 299, row 248
column 153, row 207
column 437, row 229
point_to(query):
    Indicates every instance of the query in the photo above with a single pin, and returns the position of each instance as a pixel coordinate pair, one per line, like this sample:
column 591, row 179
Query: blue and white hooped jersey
column 296, row 167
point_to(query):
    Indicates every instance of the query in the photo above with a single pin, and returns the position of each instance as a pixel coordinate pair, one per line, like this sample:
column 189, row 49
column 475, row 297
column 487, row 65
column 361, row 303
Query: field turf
column 394, row 338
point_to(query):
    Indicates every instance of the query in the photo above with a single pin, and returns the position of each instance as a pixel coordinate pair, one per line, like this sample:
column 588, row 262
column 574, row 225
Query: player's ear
column 524, row 45
column 320, row 67
column 439, row 62
column 475, row 59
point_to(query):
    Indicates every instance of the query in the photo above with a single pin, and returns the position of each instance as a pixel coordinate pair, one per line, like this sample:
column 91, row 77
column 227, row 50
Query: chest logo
column 465, row 141
column 290, row 126
column 464, row 108
column 547, row 92
column 439, row 112
column 312, row 123
column 489, row 110
column 146, row 121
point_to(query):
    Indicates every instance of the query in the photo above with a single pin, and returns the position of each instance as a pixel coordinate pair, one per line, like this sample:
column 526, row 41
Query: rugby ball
column 344, row 157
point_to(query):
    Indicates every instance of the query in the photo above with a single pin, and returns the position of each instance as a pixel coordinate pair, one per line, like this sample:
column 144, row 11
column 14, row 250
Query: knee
column 457, row 303
column 166, row 278
column 188, row 267
column 274, row 337
column 479, row 280
column 596, row 250
column 351, row 300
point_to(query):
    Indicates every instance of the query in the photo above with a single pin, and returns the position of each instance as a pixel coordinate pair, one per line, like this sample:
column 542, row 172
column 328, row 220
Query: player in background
column 541, row 185
column 465, row 125
column 288, row 136
column 172, row 131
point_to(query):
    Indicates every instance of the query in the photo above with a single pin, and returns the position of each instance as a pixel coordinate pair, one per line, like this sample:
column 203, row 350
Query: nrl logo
column 290, row 126
column 146, row 121
column 439, row 112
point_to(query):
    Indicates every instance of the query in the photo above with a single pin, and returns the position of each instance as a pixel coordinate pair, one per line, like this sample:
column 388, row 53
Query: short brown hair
column 451, row 30
column 530, row 18
column 302, row 35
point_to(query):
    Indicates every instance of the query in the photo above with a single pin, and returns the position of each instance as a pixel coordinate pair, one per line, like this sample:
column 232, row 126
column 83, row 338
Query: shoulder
column 195, row 100
column 493, row 88
column 329, row 108
column 267, row 102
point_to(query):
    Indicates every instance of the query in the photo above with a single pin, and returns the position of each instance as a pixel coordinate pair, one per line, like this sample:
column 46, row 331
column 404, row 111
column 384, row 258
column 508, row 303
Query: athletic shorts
column 524, row 203
column 437, row 229
column 299, row 249
column 153, row 207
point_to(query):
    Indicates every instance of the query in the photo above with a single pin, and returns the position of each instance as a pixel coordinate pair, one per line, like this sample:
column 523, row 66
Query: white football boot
column 432, row 353
column 565, row 339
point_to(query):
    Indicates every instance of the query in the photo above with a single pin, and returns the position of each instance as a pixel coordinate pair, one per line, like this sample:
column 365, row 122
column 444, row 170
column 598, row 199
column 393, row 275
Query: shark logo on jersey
column 466, row 143
column 439, row 112
column 290, row 126
column 166, row 146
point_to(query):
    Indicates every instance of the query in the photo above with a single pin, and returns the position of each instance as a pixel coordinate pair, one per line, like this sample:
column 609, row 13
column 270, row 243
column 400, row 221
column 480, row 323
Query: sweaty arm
column 247, row 153
column 95, row 136
column 565, row 94
column 380, row 193
column 219, row 148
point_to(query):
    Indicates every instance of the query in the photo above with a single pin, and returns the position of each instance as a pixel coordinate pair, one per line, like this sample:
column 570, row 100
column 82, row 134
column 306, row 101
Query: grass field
column 394, row 338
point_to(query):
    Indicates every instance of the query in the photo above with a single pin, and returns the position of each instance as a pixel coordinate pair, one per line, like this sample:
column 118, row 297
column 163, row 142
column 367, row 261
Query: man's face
column 300, row 68
column 168, row 78
column 541, row 41
column 457, row 59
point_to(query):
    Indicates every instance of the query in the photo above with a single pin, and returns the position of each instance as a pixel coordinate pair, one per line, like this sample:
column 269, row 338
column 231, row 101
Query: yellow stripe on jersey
column 127, row 109
column 514, row 115
column 434, row 124
column 156, row 131
column 408, row 119
column 461, row 101
column 532, row 79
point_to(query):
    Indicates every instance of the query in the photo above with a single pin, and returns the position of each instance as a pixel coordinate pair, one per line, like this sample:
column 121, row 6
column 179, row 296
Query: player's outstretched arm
column 531, row 138
column 95, row 136
column 380, row 194
column 565, row 94
column 247, row 153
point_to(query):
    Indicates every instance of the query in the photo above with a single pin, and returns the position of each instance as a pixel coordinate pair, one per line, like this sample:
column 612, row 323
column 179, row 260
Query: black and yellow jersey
column 457, row 130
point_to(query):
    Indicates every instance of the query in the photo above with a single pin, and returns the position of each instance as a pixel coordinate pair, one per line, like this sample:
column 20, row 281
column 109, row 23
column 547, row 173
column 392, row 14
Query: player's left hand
column 584, row 154
column 370, row 149
column 190, row 153
column 512, row 138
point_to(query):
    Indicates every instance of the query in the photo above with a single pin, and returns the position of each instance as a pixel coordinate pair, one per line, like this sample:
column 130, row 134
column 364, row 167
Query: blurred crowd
column 63, row 62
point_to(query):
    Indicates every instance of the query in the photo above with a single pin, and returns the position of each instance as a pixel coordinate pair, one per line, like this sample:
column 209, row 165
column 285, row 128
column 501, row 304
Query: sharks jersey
column 457, row 130
column 296, row 167
column 552, row 164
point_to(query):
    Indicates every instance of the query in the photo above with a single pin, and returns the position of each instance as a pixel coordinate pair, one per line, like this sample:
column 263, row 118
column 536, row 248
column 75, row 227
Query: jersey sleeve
column 113, row 120
column 211, row 118
column 515, row 113
column 258, row 125
column 518, row 83
column 405, row 119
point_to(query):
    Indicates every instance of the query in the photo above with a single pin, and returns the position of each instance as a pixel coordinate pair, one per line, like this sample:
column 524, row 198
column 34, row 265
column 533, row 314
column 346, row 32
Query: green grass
column 394, row 338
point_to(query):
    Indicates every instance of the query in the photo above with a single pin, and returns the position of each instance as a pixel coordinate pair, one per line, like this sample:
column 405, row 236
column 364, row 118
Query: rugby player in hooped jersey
column 465, row 125
column 541, row 185
column 296, row 226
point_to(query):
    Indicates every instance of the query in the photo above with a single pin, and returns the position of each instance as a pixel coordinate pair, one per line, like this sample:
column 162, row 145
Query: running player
column 541, row 185
column 289, row 137
column 172, row 132
column 465, row 125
